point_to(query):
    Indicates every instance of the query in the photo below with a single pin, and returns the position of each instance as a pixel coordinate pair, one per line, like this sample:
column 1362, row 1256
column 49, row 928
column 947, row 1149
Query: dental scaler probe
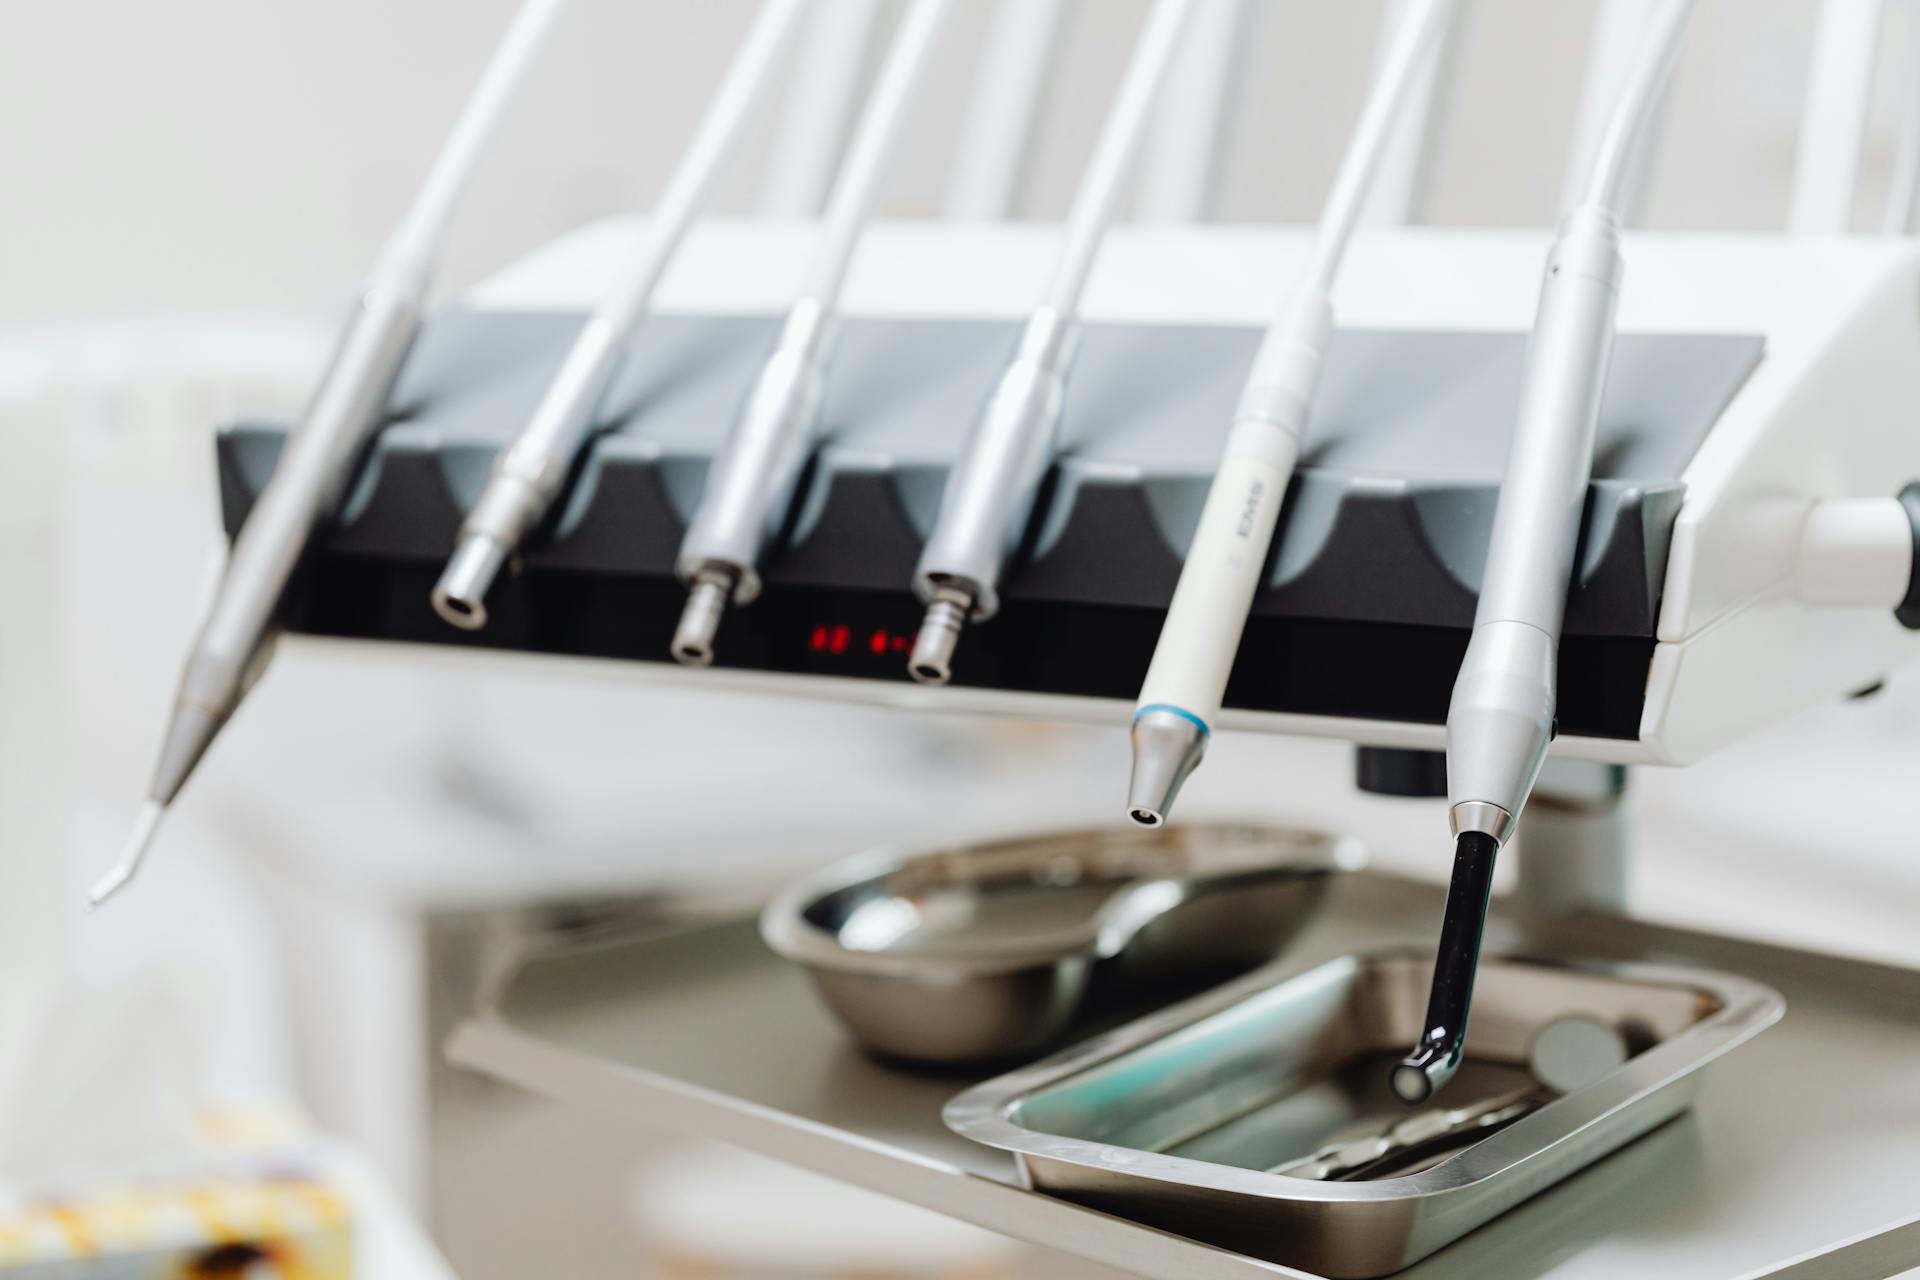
column 1501, row 717
column 753, row 476
column 320, row 454
column 1180, row 699
column 530, row 473
column 990, row 492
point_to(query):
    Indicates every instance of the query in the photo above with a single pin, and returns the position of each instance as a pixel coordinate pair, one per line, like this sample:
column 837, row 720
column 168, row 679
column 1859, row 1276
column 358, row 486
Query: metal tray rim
column 1746, row 1008
column 785, row 928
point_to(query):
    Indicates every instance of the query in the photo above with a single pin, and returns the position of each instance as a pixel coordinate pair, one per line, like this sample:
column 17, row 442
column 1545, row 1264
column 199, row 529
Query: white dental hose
column 753, row 475
column 990, row 492
column 531, row 473
column 1180, row 699
column 1099, row 192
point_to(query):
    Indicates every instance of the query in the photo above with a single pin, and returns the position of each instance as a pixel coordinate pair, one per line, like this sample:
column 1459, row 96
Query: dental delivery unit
column 1497, row 508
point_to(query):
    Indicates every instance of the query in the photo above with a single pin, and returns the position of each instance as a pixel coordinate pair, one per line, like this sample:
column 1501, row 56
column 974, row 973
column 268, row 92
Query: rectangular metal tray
column 1175, row 1119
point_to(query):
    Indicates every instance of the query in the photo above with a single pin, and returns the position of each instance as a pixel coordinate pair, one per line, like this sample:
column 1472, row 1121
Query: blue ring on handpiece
column 1182, row 712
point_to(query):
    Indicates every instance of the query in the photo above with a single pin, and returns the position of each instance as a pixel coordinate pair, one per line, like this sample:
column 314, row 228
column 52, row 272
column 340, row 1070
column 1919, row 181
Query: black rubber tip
column 1437, row 1054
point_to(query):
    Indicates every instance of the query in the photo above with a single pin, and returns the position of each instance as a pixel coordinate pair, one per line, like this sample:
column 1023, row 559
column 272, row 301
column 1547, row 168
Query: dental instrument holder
column 1367, row 601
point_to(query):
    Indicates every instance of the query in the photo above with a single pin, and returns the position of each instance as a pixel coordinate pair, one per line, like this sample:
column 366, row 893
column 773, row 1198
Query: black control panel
column 1369, row 593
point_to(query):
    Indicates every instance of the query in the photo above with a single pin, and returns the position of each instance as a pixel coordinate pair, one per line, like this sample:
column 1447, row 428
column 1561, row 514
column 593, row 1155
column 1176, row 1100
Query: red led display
column 837, row 638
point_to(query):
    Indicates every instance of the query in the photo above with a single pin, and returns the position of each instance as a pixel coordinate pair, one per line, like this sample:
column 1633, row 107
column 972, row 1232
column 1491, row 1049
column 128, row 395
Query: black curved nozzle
column 1435, row 1058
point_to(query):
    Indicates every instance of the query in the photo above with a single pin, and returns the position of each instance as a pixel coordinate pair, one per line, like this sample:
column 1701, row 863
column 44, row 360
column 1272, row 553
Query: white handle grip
column 1222, row 572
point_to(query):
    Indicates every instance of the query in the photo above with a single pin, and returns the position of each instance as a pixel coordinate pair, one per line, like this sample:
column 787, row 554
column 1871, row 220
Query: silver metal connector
column 988, row 501
column 460, row 597
column 707, row 597
column 1482, row 816
column 529, row 475
column 1442, row 1044
column 1167, row 746
column 932, row 659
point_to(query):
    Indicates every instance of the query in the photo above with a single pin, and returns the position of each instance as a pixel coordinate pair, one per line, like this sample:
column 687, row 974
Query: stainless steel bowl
column 991, row 951
column 1185, row 1118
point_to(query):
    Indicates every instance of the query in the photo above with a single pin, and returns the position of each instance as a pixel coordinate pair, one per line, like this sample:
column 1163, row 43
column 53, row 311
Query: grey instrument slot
column 1387, row 520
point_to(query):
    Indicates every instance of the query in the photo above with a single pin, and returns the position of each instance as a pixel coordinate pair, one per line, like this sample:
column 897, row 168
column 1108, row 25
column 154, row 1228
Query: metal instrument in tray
column 989, row 951
column 1181, row 1119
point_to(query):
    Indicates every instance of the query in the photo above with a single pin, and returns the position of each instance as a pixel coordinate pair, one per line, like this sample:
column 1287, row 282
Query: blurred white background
column 191, row 191
column 222, row 156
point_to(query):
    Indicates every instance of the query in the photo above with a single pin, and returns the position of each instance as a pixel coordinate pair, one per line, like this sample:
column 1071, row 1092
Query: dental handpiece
column 530, row 474
column 1187, row 679
column 989, row 495
column 754, row 474
column 1501, row 718
column 309, row 480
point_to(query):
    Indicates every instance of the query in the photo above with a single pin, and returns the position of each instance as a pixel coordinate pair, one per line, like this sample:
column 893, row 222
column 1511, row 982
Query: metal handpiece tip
column 932, row 659
column 460, row 597
column 700, row 619
column 131, row 856
column 1167, row 746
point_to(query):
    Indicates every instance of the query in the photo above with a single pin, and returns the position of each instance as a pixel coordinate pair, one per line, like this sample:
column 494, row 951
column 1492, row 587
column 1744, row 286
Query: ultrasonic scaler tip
column 131, row 856
column 236, row 633
column 1167, row 746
